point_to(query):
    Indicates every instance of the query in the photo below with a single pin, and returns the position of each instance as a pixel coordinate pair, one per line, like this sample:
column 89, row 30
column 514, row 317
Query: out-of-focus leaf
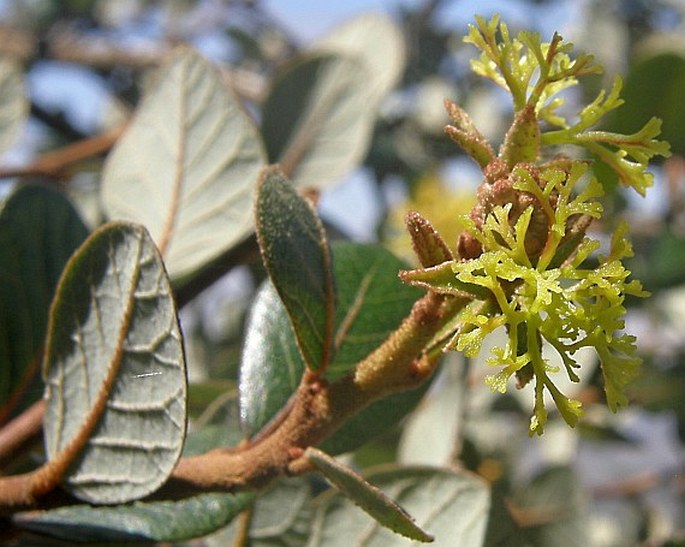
column 280, row 516
column 502, row 530
column 655, row 87
column 39, row 229
column 555, row 502
column 114, row 368
column 205, row 394
column 317, row 120
column 225, row 432
column 14, row 106
column 374, row 420
column 370, row 498
column 296, row 256
column 661, row 265
column 149, row 521
column 430, row 434
column 187, row 166
column 452, row 506
column 378, row 42
column 371, row 303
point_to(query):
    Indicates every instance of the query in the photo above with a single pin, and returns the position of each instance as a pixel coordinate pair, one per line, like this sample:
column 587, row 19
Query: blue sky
column 309, row 19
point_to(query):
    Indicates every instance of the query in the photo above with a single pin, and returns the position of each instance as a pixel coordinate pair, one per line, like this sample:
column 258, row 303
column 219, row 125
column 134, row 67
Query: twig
column 56, row 164
column 318, row 410
column 21, row 432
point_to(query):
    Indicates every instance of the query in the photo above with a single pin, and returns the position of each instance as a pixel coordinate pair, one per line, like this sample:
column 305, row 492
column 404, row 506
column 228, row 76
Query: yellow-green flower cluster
column 551, row 298
column 523, row 256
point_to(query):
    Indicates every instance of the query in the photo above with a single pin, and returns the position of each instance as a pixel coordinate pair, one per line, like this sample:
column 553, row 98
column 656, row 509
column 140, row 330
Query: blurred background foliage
column 617, row 479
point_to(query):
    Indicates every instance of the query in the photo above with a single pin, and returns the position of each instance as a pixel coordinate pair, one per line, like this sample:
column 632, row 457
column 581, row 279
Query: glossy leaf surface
column 317, row 121
column 39, row 229
column 271, row 364
column 187, row 166
column 115, row 368
column 296, row 255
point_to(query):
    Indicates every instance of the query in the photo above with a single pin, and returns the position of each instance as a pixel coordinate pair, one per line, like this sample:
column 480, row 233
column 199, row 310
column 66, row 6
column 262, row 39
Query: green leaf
column 655, row 86
column 454, row 506
column 317, row 120
column 375, row 420
column 39, row 229
column 271, row 364
column 296, row 256
column 431, row 432
column 115, row 369
column 187, row 166
column 371, row 304
column 502, row 531
column 158, row 521
column 371, row 499
column 555, row 498
column 372, row 301
column 661, row 264
column 149, row 521
column 378, row 43
column 280, row 516
column 14, row 106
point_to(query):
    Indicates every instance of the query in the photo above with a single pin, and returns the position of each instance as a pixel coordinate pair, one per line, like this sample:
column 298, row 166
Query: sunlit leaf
column 13, row 106
column 452, row 506
column 296, row 255
column 368, row 497
column 371, row 303
column 378, row 42
column 39, row 229
column 115, row 369
column 187, row 166
column 317, row 119
column 271, row 364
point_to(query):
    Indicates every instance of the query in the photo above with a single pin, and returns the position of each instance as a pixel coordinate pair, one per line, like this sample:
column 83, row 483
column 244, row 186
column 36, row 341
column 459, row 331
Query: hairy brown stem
column 318, row 409
column 55, row 164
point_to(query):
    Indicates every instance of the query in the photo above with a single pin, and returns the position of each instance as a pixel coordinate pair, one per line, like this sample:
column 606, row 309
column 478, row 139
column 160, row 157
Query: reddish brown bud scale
column 427, row 243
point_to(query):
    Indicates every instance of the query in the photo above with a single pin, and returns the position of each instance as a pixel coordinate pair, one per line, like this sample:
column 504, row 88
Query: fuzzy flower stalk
column 522, row 260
